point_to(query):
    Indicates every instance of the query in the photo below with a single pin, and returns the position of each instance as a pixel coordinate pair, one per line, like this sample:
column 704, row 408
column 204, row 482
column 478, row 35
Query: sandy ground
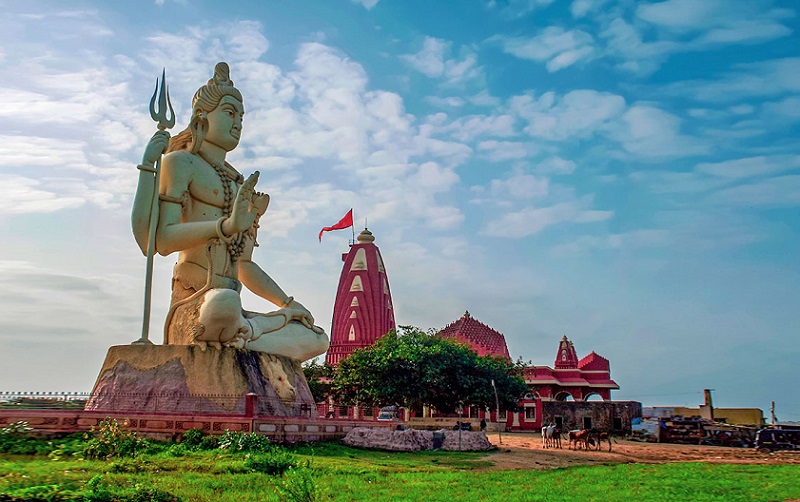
column 524, row 451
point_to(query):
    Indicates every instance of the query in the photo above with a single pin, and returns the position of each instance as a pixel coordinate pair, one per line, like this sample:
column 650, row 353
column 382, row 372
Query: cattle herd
column 588, row 439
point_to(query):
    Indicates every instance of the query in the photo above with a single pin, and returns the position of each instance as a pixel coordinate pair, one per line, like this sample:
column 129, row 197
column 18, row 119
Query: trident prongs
column 160, row 115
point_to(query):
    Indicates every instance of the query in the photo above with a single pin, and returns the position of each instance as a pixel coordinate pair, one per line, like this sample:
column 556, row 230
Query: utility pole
column 497, row 407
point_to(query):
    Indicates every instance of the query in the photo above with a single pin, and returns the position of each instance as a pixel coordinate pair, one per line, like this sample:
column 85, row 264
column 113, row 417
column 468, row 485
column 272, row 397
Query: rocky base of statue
column 414, row 440
column 187, row 380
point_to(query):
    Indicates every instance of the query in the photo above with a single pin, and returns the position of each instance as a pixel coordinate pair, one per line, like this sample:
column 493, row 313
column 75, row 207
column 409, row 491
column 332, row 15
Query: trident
column 164, row 122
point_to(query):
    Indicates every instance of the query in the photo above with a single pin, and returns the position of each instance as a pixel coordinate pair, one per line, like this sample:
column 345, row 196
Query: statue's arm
column 259, row 282
column 143, row 200
column 173, row 234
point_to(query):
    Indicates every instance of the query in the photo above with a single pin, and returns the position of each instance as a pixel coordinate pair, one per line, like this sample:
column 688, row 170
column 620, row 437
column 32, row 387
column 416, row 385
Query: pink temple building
column 570, row 377
column 480, row 337
column 363, row 310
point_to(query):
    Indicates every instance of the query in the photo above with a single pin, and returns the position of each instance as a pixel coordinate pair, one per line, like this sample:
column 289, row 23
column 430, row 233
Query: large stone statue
column 209, row 215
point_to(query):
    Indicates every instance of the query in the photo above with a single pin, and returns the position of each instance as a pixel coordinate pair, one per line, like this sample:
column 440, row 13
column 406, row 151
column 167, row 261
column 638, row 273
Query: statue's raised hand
column 245, row 210
column 155, row 148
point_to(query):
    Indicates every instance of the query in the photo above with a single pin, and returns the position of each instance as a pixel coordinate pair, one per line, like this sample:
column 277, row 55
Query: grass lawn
column 334, row 472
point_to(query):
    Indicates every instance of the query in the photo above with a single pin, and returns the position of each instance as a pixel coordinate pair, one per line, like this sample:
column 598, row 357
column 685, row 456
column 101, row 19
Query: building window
column 342, row 411
column 368, row 411
column 587, row 422
column 502, row 416
column 617, row 424
column 530, row 413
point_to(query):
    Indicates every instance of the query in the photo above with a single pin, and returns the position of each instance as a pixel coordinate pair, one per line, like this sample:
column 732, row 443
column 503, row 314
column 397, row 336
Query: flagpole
column 353, row 228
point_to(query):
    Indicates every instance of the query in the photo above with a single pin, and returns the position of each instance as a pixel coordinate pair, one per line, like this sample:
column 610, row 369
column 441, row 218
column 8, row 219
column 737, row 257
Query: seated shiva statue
column 209, row 215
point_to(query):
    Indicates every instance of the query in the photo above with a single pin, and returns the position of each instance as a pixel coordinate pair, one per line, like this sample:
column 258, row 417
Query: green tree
column 319, row 378
column 413, row 368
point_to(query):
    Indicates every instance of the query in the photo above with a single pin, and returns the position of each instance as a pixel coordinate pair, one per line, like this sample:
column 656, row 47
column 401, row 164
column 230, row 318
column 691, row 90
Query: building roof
column 480, row 337
column 594, row 361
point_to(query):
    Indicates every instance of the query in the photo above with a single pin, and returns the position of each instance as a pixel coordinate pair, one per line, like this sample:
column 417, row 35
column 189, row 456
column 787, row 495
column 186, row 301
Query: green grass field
column 330, row 471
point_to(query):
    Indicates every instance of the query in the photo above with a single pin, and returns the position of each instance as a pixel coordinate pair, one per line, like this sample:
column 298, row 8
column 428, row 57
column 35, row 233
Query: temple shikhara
column 480, row 337
column 363, row 310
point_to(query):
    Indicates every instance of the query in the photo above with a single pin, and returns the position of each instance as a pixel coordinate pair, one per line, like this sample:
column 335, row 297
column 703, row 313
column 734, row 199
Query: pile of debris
column 416, row 440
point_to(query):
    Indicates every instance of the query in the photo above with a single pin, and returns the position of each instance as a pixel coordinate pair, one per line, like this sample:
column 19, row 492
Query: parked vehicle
column 388, row 413
column 769, row 440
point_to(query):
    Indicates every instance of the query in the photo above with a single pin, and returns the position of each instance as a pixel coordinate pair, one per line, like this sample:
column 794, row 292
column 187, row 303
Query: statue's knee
column 221, row 307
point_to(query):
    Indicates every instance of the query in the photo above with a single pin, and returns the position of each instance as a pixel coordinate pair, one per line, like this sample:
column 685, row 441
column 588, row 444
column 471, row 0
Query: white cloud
column 434, row 61
column 652, row 133
column 788, row 108
column 368, row 4
column 580, row 8
column 579, row 113
column 718, row 21
column 673, row 26
column 446, row 102
column 19, row 195
column 532, row 220
column 517, row 8
column 780, row 191
column 558, row 47
column 520, row 186
column 471, row 127
column 624, row 41
column 764, row 78
column 554, row 165
column 750, row 166
column 622, row 241
column 500, row 151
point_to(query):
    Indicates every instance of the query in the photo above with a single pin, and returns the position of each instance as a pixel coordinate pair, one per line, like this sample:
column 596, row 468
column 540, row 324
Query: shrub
column 243, row 442
column 192, row 439
column 274, row 462
column 300, row 485
column 111, row 440
column 16, row 439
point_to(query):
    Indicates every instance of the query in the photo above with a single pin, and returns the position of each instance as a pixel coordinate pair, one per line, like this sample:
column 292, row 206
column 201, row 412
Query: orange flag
column 345, row 222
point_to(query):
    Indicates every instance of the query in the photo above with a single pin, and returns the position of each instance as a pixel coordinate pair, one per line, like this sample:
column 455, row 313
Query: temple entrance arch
column 594, row 396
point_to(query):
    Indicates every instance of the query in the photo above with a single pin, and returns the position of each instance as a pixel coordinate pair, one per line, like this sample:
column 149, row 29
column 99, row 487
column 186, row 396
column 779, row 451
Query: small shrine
column 570, row 377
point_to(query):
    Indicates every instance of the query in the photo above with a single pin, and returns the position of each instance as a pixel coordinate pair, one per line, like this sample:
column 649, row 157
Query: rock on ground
column 415, row 440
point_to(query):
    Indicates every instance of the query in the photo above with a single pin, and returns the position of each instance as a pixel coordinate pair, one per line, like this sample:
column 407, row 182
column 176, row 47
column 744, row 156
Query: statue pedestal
column 184, row 379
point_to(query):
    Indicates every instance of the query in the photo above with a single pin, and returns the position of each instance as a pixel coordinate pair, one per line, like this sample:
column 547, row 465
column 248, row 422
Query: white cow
column 551, row 436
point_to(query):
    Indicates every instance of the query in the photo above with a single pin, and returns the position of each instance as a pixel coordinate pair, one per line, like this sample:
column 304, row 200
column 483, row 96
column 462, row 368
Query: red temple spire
column 363, row 311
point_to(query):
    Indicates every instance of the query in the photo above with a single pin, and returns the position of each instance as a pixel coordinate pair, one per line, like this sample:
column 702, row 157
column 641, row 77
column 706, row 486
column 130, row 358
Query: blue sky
column 625, row 173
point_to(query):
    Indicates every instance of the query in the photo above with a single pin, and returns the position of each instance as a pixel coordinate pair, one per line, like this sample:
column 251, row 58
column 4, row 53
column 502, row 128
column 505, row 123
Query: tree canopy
column 414, row 368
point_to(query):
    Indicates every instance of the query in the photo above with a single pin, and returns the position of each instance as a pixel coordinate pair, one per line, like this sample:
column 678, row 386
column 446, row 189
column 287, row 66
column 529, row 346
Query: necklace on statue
column 236, row 244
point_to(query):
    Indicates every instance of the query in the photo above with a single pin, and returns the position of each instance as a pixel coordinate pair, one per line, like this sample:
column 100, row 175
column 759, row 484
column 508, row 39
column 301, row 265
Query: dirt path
column 524, row 451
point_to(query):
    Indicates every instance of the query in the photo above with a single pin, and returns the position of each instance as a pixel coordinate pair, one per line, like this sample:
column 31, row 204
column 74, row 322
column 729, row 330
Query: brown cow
column 579, row 438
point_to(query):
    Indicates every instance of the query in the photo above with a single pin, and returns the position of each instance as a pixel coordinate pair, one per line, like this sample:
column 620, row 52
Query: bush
column 300, row 485
column 111, row 440
column 243, row 442
column 275, row 462
column 192, row 439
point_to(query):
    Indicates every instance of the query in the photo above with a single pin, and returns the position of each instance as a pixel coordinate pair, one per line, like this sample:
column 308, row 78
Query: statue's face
column 225, row 124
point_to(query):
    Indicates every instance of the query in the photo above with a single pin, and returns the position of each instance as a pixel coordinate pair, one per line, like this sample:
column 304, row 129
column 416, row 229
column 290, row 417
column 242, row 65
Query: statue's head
column 205, row 101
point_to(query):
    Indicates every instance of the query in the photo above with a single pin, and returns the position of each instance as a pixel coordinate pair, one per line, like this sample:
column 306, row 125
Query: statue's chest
column 209, row 188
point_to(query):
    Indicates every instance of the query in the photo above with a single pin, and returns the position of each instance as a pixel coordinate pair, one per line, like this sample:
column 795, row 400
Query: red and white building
column 363, row 309
column 568, row 379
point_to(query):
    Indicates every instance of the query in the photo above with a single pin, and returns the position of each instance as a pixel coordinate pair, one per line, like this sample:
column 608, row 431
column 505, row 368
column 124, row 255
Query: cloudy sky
column 624, row 173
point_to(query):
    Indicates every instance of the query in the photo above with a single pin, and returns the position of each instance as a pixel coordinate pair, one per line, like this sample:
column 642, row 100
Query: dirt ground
column 524, row 451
